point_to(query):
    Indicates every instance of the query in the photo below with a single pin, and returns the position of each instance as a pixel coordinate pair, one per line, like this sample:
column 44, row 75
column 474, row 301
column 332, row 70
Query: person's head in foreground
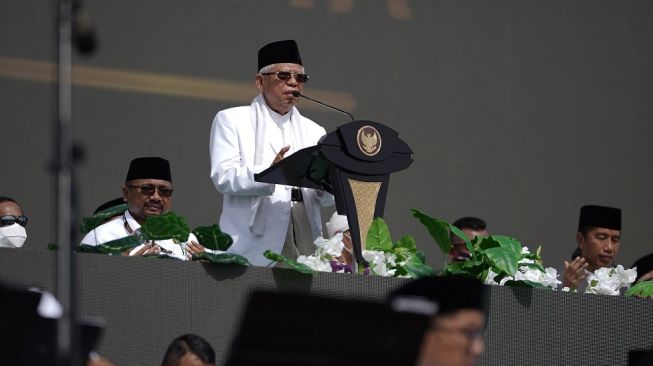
column 457, row 320
column 189, row 350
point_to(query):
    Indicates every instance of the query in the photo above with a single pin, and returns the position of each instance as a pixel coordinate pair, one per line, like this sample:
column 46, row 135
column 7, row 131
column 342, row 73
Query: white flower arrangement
column 609, row 280
column 527, row 271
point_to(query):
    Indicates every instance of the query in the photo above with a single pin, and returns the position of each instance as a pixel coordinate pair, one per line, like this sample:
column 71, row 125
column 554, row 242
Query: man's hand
column 147, row 249
column 192, row 248
column 575, row 272
column 280, row 154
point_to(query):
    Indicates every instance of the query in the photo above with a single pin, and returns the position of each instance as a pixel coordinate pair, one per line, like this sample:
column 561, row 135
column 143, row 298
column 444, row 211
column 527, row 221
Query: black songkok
column 149, row 168
column 600, row 216
column 434, row 296
column 281, row 52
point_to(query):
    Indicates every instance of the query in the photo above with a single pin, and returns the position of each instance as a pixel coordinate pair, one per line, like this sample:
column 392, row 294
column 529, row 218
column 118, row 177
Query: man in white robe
column 148, row 192
column 247, row 140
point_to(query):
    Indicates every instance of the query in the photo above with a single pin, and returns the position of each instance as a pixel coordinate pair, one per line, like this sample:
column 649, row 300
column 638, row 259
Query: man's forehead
column 604, row 230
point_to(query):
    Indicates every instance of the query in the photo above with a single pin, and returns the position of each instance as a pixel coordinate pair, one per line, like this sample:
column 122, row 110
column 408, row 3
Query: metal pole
column 68, row 352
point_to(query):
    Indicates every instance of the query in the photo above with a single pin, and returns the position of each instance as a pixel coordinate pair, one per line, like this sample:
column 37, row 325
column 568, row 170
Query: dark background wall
column 518, row 111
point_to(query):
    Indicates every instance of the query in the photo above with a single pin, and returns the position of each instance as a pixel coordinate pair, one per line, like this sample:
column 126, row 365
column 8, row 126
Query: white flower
column 608, row 280
column 505, row 279
column 524, row 250
column 315, row 263
column 332, row 247
column 565, row 289
column 380, row 262
column 550, row 278
column 489, row 280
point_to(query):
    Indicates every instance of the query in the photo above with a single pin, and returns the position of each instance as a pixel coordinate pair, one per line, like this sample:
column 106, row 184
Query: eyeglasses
column 149, row 190
column 285, row 75
column 11, row 219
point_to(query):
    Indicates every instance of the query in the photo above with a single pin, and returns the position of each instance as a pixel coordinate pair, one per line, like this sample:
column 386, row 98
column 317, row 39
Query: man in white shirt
column 148, row 192
column 247, row 140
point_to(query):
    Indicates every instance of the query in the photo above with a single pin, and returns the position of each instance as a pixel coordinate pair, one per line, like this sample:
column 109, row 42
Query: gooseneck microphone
column 298, row 94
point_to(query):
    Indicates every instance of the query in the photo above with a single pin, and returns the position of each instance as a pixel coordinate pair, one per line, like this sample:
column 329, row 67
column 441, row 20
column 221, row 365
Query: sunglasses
column 149, row 190
column 11, row 219
column 285, row 75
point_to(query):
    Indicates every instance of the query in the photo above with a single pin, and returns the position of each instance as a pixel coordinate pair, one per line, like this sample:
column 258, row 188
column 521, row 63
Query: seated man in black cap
column 455, row 307
column 598, row 238
column 148, row 192
column 247, row 140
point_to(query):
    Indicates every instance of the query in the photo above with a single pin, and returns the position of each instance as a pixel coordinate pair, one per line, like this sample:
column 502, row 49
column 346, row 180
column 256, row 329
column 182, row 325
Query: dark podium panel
column 354, row 163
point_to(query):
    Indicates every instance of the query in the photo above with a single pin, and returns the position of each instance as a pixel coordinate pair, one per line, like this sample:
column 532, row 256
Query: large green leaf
column 524, row 283
column 212, row 237
column 300, row 267
column 459, row 233
column 417, row 269
column 641, row 289
column 504, row 259
column 117, row 246
column 90, row 223
column 166, row 226
column 439, row 230
column 378, row 236
column 508, row 243
column 222, row 258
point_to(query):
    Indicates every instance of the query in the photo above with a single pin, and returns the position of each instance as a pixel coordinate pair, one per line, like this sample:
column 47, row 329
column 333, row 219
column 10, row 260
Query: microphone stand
column 297, row 94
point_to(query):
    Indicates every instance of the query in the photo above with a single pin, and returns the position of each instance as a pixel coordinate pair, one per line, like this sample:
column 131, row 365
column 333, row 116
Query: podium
column 353, row 163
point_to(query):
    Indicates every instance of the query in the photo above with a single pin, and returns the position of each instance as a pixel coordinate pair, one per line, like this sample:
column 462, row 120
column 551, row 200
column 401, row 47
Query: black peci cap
column 599, row 216
column 278, row 53
column 149, row 168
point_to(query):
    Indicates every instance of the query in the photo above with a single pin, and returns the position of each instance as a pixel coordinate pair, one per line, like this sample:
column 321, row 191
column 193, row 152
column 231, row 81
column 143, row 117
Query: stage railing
column 147, row 302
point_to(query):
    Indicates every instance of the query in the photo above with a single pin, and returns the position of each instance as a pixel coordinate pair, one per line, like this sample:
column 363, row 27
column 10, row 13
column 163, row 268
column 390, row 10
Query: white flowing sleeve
column 228, row 173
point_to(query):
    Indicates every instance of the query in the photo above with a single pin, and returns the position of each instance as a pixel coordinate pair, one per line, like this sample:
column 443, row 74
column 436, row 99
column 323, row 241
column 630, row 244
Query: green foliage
column 166, row 226
column 117, row 246
column 410, row 261
column 212, row 237
column 90, row 223
column 498, row 253
column 53, row 246
column 641, row 289
column 378, row 236
column 290, row 262
column 222, row 258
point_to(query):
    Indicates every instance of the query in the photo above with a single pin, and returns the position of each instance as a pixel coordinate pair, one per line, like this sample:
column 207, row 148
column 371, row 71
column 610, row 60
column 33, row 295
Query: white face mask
column 12, row 236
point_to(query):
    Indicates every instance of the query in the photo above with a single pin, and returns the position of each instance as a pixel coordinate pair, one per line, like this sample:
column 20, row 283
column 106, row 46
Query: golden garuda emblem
column 369, row 140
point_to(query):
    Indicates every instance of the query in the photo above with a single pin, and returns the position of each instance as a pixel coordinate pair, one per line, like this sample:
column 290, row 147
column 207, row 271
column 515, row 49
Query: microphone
column 298, row 94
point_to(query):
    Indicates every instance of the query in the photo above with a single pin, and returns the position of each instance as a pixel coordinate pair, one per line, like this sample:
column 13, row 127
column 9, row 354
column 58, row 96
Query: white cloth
column 244, row 141
column 115, row 229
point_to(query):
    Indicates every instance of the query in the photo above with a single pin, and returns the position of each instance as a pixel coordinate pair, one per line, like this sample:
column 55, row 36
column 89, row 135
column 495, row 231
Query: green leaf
column 537, row 266
column 503, row 259
column 90, row 223
column 299, row 267
column 508, row 243
column 117, row 246
column 417, row 269
column 524, row 283
column 166, row 226
column 212, row 237
column 53, row 246
column 378, row 236
column 407, row 242
column 420, row 254
column 641, row 289
column 439, row 230
column 222, row 258
column 459, row 233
